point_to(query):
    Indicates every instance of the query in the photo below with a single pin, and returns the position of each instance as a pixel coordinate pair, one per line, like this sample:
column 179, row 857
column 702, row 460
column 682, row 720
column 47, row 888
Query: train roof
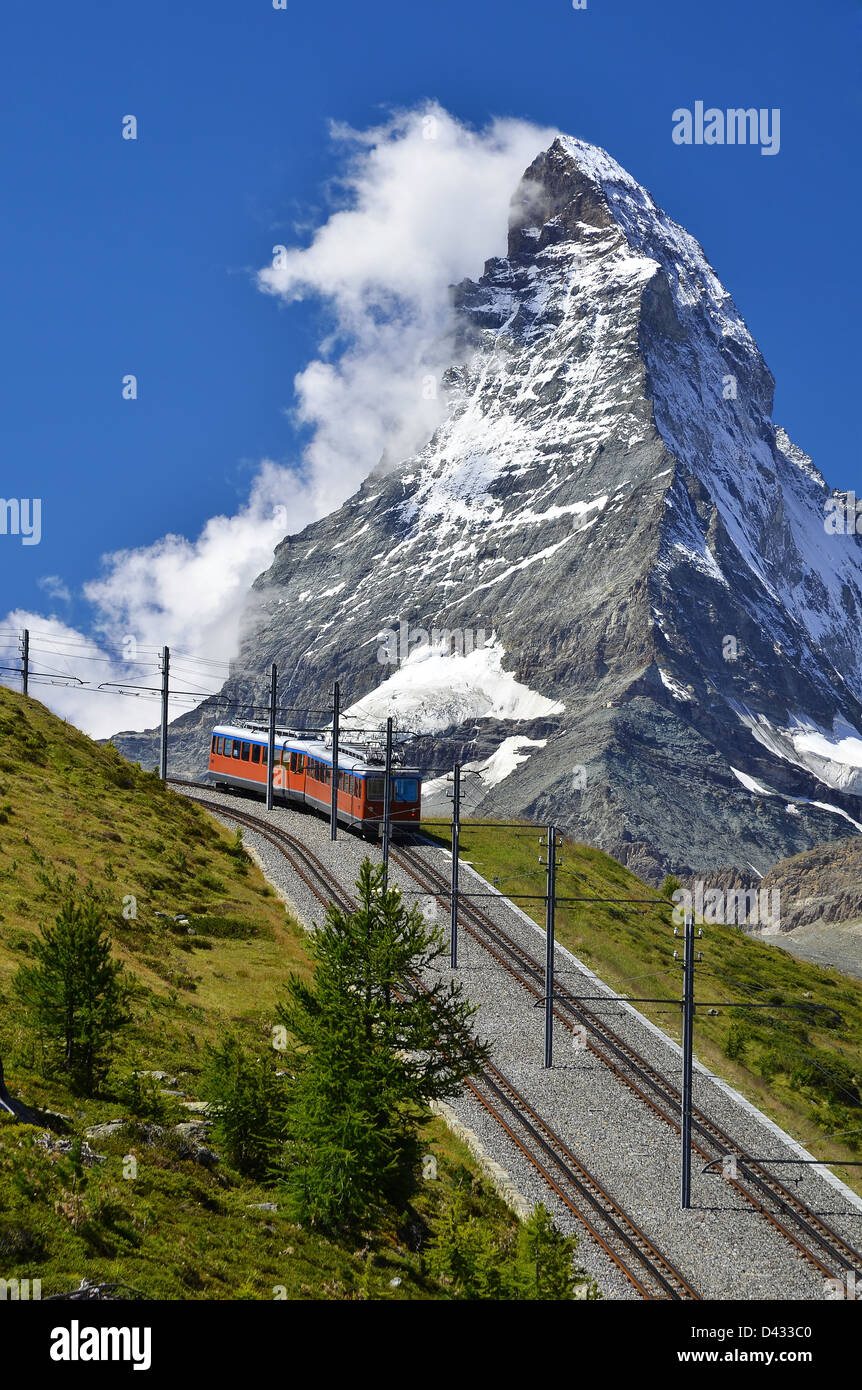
column 350, row 758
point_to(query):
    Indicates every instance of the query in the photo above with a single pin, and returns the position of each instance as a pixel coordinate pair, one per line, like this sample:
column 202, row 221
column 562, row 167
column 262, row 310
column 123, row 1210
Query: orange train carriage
column 239, row 757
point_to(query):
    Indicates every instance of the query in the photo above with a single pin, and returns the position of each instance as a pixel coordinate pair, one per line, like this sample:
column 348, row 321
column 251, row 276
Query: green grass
column 804, row 1070
column 180, row 1231
column 75, row 816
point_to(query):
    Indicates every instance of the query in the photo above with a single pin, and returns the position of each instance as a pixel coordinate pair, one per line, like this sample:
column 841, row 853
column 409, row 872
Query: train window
column 294, row 762
column 246, row 748
column 264, row 754
column 255, row 753
column 214, row 742
column 219, row 745
column 375, row 788
column 237, row 746
column 406, row 789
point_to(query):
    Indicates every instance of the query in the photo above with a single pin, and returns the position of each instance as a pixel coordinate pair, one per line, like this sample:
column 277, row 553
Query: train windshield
column 406, row 789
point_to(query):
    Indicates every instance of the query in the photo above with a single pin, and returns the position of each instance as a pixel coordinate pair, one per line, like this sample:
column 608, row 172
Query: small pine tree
column 544, row 1268
column 251, row 1108
column 76, row 995
column 372, row 1049
column 474, row 1263
column 465, row 1256
column 735, row 1040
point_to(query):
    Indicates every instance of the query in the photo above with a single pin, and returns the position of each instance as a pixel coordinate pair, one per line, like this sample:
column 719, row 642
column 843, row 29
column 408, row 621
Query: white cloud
column 190, row 594
column 55, row 587
column 422, row 204
column 427, row 204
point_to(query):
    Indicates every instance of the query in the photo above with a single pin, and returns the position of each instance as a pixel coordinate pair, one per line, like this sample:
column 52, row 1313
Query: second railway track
column 649, row 1272
column 814, row 1239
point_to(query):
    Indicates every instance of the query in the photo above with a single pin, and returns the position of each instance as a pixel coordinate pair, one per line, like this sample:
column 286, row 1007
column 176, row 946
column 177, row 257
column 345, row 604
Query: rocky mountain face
column 605, row 584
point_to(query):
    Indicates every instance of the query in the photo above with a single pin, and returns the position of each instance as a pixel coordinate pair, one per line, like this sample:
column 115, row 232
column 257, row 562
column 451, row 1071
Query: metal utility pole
column 687, row 1045
column 387, row 801
column 336, row 714
column 270, row 762
column 456, row 835
column 549, row 947
column 163, row 748
column 25, row 661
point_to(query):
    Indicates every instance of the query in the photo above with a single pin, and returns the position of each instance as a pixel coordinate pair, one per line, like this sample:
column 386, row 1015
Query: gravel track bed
column 723, row 1247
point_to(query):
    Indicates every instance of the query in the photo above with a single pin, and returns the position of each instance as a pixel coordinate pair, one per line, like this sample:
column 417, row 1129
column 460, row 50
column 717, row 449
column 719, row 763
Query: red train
column 303, row 773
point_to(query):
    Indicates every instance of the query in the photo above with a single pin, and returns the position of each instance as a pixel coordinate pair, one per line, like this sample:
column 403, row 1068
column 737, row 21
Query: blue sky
column 140, row 257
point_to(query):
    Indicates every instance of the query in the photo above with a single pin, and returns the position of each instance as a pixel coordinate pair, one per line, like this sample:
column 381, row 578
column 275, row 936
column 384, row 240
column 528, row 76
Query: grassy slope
column 631, row 948
column 73, row 814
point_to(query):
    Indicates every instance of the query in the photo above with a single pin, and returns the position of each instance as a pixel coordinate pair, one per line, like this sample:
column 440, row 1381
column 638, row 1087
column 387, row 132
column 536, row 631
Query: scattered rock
column 106, row 1129
column 196, row 1130
column 64, row 1147
column 161, row 1076
column 263, row 1206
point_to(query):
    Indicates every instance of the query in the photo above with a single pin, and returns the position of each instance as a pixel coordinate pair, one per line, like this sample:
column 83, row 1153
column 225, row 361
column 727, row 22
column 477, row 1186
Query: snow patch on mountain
column 751, row 784
column 792, row 806
column 491, row 771
column 676, row 688
column 833, row 756
column 435, row 689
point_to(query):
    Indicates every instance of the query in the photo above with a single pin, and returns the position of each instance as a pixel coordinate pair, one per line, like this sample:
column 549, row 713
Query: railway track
column 815, row 1240
column 647, row 1269
column 651, row 1273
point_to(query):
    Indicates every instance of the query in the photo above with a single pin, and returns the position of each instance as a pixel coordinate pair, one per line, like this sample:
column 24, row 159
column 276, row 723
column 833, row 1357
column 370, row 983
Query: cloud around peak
column 421, row 201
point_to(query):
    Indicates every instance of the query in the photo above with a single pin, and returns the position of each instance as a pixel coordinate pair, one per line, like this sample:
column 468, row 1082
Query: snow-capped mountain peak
column 609, row 497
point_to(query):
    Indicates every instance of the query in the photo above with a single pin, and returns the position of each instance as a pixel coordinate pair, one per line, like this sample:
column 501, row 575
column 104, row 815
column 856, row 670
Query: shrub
column 251, row 1115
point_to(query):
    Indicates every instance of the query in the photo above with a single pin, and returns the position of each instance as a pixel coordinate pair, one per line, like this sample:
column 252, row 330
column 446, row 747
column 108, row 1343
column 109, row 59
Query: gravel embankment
column 724, row 1247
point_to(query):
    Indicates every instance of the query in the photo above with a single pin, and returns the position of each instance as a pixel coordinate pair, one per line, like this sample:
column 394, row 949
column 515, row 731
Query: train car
column 239, row 757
